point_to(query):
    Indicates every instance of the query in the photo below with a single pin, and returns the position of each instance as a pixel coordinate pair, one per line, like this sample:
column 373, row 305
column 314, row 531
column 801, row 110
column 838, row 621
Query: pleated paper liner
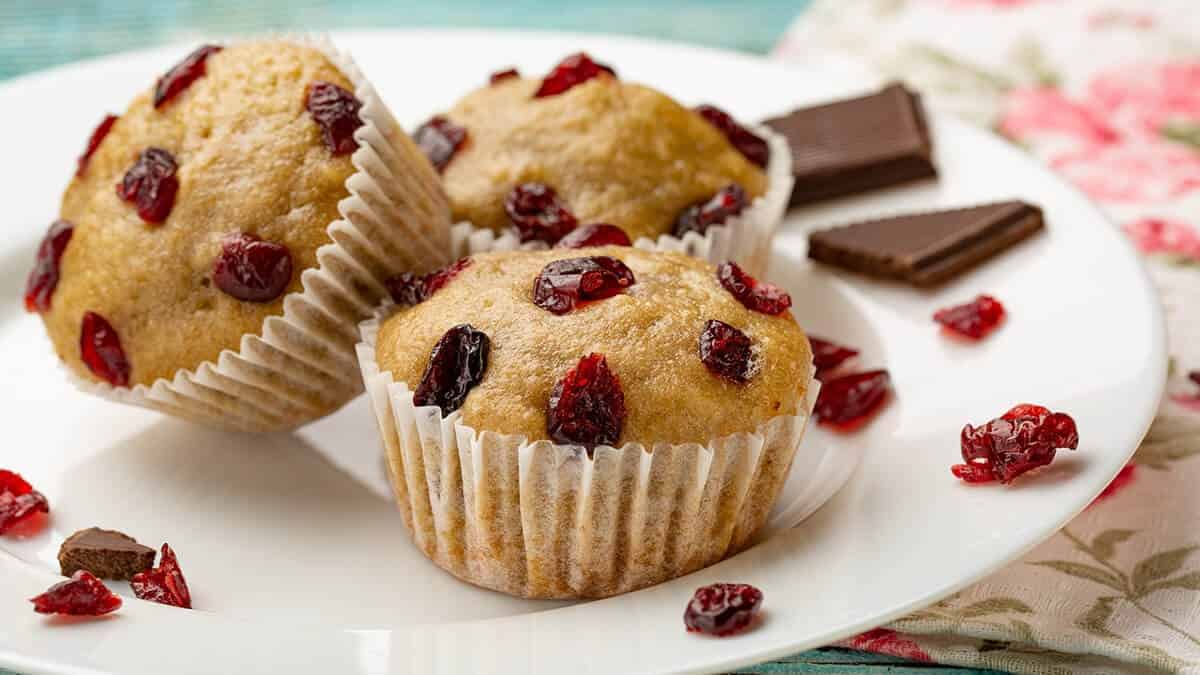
column 543, row 520
column 745, row 238
column 302, row 366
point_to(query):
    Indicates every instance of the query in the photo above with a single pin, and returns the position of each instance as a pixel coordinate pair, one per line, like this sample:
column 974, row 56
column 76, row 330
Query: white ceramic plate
column 296, row 569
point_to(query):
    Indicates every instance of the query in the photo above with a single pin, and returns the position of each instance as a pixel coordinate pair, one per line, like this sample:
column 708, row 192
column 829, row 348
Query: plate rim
column 1144, row 416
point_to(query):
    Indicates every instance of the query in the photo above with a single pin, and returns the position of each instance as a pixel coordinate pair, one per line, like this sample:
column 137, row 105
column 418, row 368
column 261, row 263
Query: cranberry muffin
column 595, row 421
column 540, row 157
column 221, row 239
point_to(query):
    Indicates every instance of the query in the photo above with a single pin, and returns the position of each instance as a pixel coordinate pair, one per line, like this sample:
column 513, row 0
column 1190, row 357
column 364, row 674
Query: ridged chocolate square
column 857, row 145
column 925, row 249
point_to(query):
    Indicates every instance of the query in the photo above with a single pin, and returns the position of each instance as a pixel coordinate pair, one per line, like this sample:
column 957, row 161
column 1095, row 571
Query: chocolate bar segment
column 105, row 553
column 858, row 144
column 925, row 249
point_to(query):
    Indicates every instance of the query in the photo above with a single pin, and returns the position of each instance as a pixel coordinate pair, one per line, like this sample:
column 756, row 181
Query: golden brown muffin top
column 649, row 335
column 615, row 152
column 250, row 159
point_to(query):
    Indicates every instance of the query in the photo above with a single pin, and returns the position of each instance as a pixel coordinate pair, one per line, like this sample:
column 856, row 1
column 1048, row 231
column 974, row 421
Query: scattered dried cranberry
column 752, row 147
column 587, row 406
column 1022, row 439
column 456, row 364
column 81, row 595
column 163, row 584
column 538, row 214
column 100, row 348
column 846, row 403
column 18, row 501
column 407, row 288
column 563, row 284
column 726, row 351
column 187, row 71
column 754, row 294
column 251, row 269
column 440, row 139
column 94, row 141
column 12, row 483
column 151, row 184
column 575, row 69
column 829, row 355
column 335, row 110
column 1194, row 376
column 43, row 278
column 596, row 234
column 502, row 75
column 729, row 202
column 974, row 320
column 722, row 609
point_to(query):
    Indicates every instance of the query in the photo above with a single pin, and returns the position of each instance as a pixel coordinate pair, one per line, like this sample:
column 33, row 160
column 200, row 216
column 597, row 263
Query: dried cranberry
column 754, row 294
column 440, row 139
column 407, row 288
column 187, row 71
column 251, row 269
column 722, row 609
column 1194, row 376
column 828, row 355
column 729, row 202
column 575, row 69
column 456, row 364
column 726, row 351
column 335, row 110
column 596, row 234
column 151, row 184
column 974, row 320
column 434, row 281
column 752, row 147
column 94, row 141
column 587, row 406
column 11, row 482
column 43, row 278
column 18, row 501
column 846, row 403
column 563, row 284
column 81, row 595
column 1022, row 439
column 163, row 584
column 100, row 348
column 538, row 214
column 502, row 75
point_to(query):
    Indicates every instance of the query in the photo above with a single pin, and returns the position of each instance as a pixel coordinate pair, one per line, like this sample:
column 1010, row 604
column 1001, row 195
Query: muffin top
column 237, row 161
column 614, row 152
column 652, row 330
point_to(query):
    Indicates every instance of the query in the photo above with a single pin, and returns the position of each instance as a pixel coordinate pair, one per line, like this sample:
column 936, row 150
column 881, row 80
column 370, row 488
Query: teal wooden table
column 36, row 34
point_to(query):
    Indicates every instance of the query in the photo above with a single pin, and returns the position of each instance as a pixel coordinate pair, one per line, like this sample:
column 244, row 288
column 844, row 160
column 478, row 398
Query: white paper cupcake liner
column 744, row 239
column 302, row 366
column 543, row 520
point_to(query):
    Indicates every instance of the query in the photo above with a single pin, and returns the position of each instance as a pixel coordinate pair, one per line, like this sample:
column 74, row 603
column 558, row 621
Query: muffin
column 583, row 423
column 262, row 196
column 532, row 159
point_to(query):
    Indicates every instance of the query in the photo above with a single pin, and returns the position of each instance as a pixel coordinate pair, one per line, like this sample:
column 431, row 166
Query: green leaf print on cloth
column 1107, row 94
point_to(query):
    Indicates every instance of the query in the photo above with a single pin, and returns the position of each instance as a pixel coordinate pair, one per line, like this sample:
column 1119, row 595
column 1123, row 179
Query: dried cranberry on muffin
column 545, row 361
column 540, row 157
column 222, row 237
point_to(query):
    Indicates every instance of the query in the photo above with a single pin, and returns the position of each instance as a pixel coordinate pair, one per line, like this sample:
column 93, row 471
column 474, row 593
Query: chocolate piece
column 105, row 553
column 925, row 249
column 858, row 144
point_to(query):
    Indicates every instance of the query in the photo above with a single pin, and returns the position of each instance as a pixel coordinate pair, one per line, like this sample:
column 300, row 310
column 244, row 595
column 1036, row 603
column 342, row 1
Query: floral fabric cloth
column 1107, row 92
